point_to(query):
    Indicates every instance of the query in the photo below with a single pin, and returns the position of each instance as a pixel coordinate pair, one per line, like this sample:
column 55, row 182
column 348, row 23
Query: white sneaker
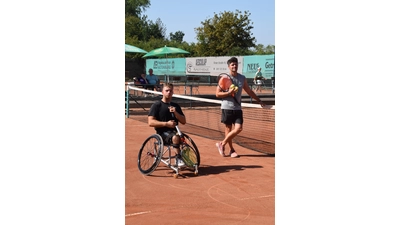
column 180, row 162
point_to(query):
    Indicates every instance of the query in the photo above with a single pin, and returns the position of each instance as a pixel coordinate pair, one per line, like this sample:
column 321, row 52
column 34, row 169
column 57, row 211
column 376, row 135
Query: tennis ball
column 236, row 89
column 232, row 86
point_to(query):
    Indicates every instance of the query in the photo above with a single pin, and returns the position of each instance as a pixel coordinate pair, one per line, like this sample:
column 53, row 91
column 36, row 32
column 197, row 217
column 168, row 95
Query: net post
column 127, row 101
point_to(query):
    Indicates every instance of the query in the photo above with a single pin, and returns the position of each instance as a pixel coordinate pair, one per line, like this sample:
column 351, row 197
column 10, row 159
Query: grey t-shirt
column 229, row 102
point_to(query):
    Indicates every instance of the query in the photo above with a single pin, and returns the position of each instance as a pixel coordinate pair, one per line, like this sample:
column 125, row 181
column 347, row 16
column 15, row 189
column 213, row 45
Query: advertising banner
column 212, row 66
column 167, row 66
column 251, row 63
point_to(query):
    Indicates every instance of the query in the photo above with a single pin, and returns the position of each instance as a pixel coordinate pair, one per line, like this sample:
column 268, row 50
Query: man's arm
column 181, row 118
column 153, row 122
column 248, row 90
column 220, row 94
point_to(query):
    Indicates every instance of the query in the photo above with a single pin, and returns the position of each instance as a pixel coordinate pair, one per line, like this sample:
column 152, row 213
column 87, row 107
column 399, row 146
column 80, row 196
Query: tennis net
column 203, row 118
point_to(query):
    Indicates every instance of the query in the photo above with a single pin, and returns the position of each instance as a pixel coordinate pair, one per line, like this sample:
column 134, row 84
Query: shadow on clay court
column 204, row 170
column 207, row 169
column 266, row 155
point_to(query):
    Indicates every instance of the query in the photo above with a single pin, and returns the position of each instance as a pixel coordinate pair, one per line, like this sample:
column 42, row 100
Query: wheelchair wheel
column 150, row 153
column 191, row 143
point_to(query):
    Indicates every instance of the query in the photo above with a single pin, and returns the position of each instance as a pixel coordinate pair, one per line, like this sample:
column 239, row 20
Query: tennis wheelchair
column 153, row 151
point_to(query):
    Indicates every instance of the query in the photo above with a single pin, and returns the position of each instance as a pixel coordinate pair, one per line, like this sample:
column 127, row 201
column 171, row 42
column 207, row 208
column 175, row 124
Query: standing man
column 164, row 115
column 232, row 115
column 258, row 80
column 153, row 80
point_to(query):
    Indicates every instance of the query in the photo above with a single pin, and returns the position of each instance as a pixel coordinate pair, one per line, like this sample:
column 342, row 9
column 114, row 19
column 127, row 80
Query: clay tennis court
column 226, row 191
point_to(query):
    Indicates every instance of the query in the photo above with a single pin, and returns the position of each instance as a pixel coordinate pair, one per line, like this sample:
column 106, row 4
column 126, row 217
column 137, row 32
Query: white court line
column 265, row 196
column 138, row 213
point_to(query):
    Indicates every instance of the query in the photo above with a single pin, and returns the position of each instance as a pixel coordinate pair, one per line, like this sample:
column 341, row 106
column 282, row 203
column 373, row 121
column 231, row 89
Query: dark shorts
column 167, row 136
column 230, row 117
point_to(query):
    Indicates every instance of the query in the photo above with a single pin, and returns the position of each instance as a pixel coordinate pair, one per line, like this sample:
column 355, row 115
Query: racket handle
column 179, row 131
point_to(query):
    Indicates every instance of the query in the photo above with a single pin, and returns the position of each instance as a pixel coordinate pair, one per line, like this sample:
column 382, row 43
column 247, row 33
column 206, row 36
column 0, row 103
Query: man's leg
column 231, row 133
column 176, row 143
column 230, row 117
column 228, row 128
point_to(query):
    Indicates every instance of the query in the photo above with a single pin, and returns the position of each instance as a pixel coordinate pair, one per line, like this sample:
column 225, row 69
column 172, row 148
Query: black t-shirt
column 161, row 112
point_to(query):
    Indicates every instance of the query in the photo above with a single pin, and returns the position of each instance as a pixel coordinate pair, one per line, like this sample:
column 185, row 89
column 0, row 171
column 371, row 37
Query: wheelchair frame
column 153, row 151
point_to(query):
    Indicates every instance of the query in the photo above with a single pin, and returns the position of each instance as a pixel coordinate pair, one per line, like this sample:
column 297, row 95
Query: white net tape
column 249, row 105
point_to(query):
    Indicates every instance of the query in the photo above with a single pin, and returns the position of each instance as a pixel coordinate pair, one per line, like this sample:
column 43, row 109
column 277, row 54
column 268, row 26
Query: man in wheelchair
column 164, row 115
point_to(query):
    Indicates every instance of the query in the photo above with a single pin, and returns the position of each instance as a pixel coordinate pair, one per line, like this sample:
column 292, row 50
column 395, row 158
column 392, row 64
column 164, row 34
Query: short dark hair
column 170, row 85
column 231, row 60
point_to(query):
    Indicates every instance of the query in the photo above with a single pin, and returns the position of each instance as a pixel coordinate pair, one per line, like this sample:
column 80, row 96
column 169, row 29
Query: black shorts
column 167, row 136
column 230, row 117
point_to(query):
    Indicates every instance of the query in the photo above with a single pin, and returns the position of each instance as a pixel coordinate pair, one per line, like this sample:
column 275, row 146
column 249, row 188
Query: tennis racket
column 224, row 83
column 185, row 152
column 188, row 156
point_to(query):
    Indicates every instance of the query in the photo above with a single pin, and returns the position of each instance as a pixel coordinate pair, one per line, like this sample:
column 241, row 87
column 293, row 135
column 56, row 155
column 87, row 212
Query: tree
column 261, row 50
column 134, row 28
column 138, row 26
column 155, row 30
column 225, row 34
column 136, row 7
column 177, row 36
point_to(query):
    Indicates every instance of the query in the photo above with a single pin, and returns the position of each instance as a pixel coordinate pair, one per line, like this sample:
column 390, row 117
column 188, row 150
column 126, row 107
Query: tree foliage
column 227, row 33
column 136, row 7
column 177, row 36
column 260, row 49
column 139, row 27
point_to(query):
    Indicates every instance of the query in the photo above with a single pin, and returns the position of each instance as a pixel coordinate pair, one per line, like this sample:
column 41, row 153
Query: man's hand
column 172, row 109
column 171, row 124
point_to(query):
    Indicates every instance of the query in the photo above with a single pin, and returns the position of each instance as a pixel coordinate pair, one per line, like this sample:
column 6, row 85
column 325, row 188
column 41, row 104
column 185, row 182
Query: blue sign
column 251, row 63
column 167, row 66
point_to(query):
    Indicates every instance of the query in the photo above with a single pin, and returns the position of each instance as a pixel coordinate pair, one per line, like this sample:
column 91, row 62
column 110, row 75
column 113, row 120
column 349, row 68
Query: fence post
column 127, row 101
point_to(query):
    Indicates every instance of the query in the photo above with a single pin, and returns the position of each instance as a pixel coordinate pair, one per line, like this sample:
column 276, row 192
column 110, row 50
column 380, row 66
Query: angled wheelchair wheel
column 150, row 153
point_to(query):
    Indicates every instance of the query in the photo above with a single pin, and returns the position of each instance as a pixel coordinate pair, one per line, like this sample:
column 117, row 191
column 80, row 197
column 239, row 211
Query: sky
column 185, row 15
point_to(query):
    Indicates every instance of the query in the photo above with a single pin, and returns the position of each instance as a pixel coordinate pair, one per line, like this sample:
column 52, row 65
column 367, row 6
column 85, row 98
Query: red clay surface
column 226, row 191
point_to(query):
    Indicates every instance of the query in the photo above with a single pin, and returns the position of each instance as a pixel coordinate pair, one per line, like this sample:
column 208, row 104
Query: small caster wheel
column 175, row 175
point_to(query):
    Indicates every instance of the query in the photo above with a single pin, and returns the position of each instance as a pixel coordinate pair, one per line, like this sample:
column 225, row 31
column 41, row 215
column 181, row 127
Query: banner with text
column 251, row 63
column 167, row 66
column 212, row 66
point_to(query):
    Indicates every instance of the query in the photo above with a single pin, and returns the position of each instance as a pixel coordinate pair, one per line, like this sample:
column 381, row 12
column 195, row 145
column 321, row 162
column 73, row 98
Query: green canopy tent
column 134, row 49
column 165, row 51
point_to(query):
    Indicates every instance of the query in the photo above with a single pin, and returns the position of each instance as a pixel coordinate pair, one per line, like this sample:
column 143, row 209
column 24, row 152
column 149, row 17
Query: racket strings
column 188, row 156
column 224, row 82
